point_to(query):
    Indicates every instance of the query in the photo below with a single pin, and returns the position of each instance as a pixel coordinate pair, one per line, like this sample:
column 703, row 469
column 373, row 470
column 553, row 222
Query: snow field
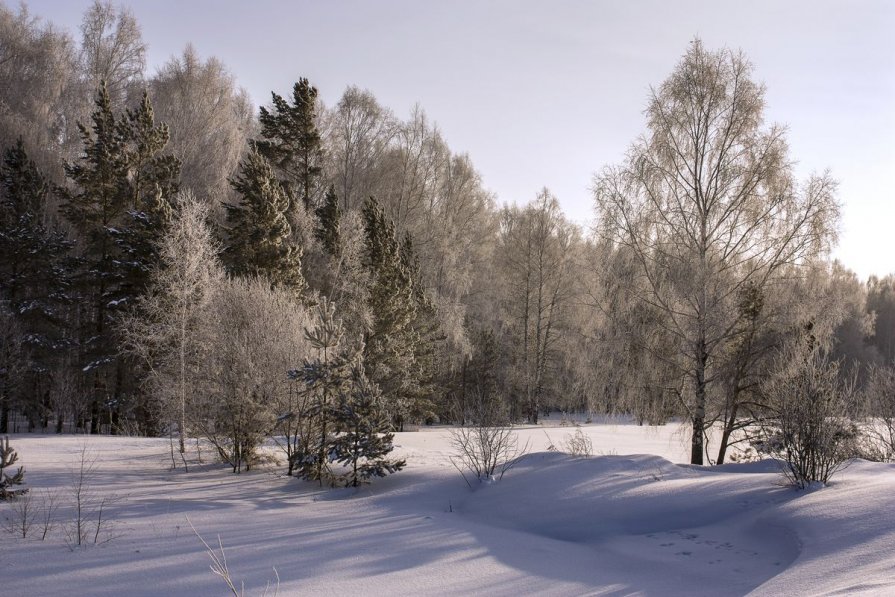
column 630, row 521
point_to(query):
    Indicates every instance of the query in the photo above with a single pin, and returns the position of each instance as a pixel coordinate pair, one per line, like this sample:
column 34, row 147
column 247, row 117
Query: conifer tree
column 328, row 216
column 118, row 202
column 292, row 144
column 32, row 254
column 427, row 333
column 34, row 258
column 325, row 378
column 390, row 341
column 8, row 457
column 152, row 183
column 259, row 233
column 365, row 438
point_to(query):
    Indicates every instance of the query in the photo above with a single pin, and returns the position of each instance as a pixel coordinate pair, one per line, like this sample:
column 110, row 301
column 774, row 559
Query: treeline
column 167, row 255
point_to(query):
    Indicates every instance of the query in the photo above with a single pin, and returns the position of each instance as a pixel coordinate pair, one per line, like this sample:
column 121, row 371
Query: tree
column 365, row 438
column 706, row 204
column 118, row 201
column 168, row 329
column 34, row 276
column 257, row 333
column 112, row 49
column 361, row 130
column 325, row 377
column 259, row 234
column 291, row 143
column 209, row 118
column 328, row 217
column 8, row 457
column 535, row 259
column 390, row 341
column 39, row 70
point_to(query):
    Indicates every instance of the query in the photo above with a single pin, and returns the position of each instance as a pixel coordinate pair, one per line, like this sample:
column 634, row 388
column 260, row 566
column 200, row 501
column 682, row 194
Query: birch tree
column 535, row 259
column 707, row 203
column 168, row 330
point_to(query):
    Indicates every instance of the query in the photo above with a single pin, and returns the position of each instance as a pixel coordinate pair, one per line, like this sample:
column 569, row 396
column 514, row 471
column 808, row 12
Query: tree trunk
column 728, row 430
column 698, row 417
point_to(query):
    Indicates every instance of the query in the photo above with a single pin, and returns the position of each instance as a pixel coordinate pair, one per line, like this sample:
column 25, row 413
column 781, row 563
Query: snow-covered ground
column 628, row 520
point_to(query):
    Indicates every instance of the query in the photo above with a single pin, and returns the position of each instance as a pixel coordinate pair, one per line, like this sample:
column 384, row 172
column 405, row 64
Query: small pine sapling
column 365, row 437
column 8, row 457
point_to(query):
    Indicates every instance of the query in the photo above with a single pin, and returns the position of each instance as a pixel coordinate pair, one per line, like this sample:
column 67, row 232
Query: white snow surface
column 632, row 521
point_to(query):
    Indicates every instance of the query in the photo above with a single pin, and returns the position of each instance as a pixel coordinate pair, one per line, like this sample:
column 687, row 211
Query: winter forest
column 307, row 289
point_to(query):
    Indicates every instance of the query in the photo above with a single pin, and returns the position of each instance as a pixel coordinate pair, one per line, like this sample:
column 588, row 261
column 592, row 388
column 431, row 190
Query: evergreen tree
column 118, row 202
column 151, row 184
column 8, row 457
column 364, row 439
column 427, row 333
column 328, row 216
column 292, row 144
column 259, row 233
column 325, row 378
column 390, row 341
column 34, row 278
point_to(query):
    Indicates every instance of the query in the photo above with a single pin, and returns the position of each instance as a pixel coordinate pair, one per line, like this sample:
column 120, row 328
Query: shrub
column 578, row 444
column 805, row 426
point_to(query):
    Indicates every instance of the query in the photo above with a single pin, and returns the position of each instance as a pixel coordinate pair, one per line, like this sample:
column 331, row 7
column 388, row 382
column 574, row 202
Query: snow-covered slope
column 631, row 522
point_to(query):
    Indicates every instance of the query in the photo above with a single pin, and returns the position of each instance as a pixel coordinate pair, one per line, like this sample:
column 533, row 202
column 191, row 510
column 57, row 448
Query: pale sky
column 545, row 93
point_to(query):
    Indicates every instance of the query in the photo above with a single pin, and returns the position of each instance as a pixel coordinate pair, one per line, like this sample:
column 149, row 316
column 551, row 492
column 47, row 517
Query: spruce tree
column 258, row 232
column 292, row 144
column 365, row 438
column 427, row 334
column 390, row 341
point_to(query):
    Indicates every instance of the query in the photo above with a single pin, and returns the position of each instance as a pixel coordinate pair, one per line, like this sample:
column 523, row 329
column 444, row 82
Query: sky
column 548, row 93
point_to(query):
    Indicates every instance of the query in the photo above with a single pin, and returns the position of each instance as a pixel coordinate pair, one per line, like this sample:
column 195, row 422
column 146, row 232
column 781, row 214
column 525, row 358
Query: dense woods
column 173, row 262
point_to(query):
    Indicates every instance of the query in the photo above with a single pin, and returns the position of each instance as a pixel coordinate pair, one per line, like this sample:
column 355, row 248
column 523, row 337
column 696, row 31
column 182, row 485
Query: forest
column 176, row 262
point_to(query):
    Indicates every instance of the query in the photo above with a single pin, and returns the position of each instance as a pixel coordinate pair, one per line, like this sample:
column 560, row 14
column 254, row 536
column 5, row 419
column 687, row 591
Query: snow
column 632, row 521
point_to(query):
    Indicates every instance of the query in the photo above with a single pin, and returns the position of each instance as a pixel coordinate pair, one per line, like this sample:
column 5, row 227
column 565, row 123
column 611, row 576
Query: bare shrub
column 46, row 516
column 22, row 515
column 90, row 521
column 879, row 424
column 488, row 447
column 486, row 452
column 806, row 427
column 578, row 444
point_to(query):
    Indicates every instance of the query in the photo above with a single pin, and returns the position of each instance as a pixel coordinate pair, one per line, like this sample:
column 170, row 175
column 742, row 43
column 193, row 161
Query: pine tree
column 325, row 378
column 328, row 216
column 365, row 438
column 118, row 202
column 34, row 279
column 292, row 144
column 8, row 457
column 151, row 184
column 259, row 233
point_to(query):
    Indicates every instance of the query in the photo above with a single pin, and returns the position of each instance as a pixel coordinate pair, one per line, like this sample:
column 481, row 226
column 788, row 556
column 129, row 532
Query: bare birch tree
column 168, row 330
column 209, row 117
column 536, row 260
column 707, row 204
